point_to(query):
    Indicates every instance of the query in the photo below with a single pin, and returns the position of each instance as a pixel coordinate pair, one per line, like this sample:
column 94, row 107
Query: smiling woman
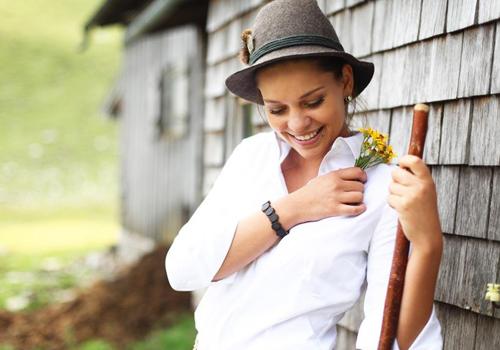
column 291, row 230
column 309, row 118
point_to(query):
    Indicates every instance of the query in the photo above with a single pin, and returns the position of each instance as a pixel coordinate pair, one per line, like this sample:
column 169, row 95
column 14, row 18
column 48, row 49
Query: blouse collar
column 348, row 146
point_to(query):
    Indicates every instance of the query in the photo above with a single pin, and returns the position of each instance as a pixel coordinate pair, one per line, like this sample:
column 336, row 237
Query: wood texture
column 461, row 14
column 455, row 139
column 495, row 72
column 485, row 256
column 334, row 6
column 361, row 29
column 346, row 339
column 485, row 133
column 433, row 18
column 494, row 220
column 442, row 82
column 475, row 69
column 213, row 149
column 446, row 179
column 352, row 319
column 488, row 11
column 401, row 122
column 371, row 94
column 473, row 198
column 383, row 25
column 341, row 22
column 488, row 333
column 451, row 271
column 432, row 141
column 460, row 331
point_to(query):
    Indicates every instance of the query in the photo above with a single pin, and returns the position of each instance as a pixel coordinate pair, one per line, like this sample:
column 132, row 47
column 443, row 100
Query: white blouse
column 293, row 295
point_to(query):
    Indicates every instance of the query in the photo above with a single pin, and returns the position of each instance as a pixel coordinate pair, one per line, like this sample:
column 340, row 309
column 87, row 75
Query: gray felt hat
column 290, row 29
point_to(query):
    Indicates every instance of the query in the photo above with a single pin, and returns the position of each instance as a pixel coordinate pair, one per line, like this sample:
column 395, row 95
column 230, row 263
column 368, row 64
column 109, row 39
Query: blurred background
column 59, row 189
column 115, row 123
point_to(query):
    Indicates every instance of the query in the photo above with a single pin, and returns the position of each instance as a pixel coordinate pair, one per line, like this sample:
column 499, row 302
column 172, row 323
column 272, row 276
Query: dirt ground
column 119, row 311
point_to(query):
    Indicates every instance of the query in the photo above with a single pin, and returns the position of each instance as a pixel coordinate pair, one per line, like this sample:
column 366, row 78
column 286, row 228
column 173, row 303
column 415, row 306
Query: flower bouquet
column 374, row 149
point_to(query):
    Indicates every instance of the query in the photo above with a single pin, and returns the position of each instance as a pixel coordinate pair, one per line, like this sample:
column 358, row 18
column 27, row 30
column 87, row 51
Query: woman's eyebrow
column 301, row 97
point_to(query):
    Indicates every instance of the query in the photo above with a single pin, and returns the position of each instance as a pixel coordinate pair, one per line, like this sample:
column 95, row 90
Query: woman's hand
column 413, row 195
column 336, row 193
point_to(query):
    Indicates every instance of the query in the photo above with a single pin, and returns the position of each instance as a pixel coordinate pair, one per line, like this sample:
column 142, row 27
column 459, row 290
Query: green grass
column 180, row 336
column 58, row 155
column 55, row 148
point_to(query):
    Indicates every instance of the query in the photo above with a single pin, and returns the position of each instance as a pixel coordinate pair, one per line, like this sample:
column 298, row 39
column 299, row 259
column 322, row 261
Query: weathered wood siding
column 160, row 178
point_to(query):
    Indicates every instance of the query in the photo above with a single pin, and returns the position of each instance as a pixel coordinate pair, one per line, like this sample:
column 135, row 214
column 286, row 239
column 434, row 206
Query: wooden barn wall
column 442, row 52
column 160, row 179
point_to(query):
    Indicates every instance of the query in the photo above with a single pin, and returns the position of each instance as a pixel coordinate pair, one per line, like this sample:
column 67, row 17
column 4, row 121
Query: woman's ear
column 348, row 79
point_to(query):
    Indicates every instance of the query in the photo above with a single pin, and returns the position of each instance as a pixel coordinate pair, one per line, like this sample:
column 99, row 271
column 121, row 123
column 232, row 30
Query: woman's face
column 305, row 105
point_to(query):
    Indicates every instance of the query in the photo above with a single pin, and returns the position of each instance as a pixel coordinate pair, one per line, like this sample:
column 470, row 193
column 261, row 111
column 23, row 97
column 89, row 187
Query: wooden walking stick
column 402, row 245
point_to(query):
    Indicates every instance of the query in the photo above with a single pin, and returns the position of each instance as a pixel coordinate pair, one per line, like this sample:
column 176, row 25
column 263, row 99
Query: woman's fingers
column 351, row 197
column 403, row 177
column 397, row 189
column 346, row 209
column 415, row 165
column 353, row 186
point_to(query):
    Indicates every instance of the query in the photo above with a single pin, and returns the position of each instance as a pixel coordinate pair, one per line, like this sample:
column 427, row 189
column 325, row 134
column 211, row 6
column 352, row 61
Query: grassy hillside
column 56, row 150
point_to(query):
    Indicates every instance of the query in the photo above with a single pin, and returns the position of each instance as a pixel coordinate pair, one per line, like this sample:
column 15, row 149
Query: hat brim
column 242, row 83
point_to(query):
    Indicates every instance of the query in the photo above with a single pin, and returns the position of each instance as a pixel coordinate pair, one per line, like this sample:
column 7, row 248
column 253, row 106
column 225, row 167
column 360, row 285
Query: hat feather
column 244, row 53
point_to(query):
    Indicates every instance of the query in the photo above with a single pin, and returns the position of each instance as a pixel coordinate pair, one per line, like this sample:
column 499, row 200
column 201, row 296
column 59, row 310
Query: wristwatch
column 274, row 218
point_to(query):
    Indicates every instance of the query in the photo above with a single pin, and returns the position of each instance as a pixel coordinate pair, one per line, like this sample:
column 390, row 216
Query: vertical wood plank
column 433, row 18
column 401, row 122
column 455, row 132
column 494, row 221
column 472, row 206
column 392, row 84
column 341, row 22
column 476, row 61
column 451, row 270
column 334, row 6
column 461, row 329
column 361, row 28
column 485, row 256
column 407, row 18
column 488, row 11
column 346, row 340
column 432, row 140
column 495, row 72
column 488, row 333
column 461, row 14
column 371, row 93
column 442, row 82
column 446, row 180
column 485, row 133
column 353, row 317
column 383, row 25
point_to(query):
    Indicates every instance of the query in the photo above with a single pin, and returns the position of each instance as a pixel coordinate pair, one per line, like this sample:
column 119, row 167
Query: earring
column 348, row 98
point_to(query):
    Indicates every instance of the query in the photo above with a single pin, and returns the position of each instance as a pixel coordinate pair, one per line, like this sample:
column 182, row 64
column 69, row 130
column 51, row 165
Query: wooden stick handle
column 402, row 245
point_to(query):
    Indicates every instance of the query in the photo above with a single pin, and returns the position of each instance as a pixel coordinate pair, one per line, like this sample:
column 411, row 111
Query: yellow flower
column 374, row 149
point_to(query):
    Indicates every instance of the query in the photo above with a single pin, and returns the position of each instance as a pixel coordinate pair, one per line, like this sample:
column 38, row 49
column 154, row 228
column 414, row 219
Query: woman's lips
column 310, row 141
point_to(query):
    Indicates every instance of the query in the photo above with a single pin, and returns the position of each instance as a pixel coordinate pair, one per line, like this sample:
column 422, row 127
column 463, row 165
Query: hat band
column 295, row 40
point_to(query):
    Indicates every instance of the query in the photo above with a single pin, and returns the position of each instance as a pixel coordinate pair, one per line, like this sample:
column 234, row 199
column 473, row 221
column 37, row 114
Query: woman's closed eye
column 312, row 104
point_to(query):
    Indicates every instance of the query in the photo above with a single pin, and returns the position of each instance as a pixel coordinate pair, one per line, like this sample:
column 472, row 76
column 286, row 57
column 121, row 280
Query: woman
column 291, row 232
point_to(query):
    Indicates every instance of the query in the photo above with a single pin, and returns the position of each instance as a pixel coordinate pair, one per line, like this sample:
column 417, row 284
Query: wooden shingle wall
column 152, row 166
column 442, row 52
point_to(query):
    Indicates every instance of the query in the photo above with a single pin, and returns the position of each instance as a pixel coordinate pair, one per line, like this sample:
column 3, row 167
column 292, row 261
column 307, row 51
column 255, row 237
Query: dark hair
column 325, row 64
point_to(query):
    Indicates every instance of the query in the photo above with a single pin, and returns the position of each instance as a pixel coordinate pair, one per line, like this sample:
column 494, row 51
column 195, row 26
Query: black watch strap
column 274, row 218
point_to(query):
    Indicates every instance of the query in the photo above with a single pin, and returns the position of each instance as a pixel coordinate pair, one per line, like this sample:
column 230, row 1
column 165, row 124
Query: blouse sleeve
column 379, row 263
column 201, row 245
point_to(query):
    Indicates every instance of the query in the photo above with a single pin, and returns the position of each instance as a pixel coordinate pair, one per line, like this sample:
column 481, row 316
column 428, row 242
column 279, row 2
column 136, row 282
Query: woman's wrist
column 288, row 211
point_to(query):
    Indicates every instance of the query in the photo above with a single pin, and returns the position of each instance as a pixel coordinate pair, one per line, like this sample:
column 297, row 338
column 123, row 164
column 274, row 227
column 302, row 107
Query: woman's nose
column 299, row 122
